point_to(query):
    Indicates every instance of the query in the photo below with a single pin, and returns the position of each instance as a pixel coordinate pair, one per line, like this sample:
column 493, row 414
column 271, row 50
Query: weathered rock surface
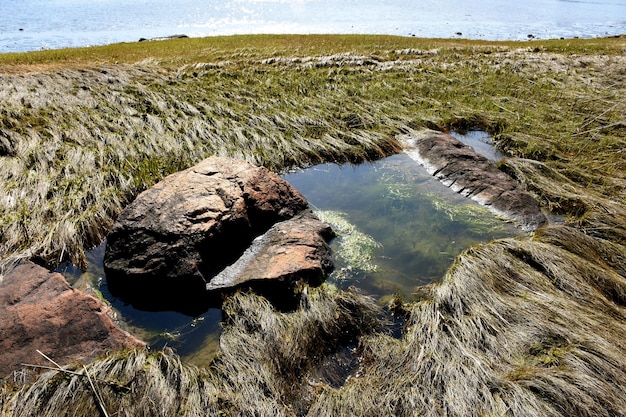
column 472, row 175
column 170, row 243
column 40, row 311
column 293, row 249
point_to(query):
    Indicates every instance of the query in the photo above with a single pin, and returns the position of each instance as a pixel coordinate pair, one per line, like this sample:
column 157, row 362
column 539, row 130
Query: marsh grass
column 526, row 326
column 518, row 327
column 592, row 211
column 130, row 383
column 82, row 131
column 268, row 365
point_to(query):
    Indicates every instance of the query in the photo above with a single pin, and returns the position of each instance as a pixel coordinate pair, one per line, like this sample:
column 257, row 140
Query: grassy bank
column 517, row 327
column 82, row 131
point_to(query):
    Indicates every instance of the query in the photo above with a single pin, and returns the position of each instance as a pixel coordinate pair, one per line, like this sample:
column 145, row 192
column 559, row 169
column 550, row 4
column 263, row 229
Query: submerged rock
column 459, row 167
column 192, row 236
column 40, row 311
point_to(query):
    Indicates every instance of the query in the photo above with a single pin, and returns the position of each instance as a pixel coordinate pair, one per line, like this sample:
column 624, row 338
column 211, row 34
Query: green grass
column 177, row 52
column 82, row 131
column 528, row 326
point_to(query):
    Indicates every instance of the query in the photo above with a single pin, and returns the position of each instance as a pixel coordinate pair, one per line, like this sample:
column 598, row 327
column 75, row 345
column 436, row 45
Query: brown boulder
column 168, row 244
column 40, row 311
column 459, row 167
column 292, row 250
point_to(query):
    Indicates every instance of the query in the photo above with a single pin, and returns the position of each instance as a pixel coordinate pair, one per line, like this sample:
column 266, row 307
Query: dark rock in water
column 162, row 38
column 474, row 176
column 170, row 245
column 40, row 311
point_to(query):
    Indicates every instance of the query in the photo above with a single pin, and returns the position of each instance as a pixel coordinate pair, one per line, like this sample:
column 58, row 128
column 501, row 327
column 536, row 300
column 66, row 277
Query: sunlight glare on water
column 44, row 24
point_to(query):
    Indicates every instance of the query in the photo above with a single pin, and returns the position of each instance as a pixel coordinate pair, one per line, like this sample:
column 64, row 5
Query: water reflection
column 480, row 142
column 187, row 335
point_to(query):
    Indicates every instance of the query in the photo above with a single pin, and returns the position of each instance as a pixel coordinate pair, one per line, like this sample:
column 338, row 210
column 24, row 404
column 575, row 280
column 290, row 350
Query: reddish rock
column 472, row 175
column 291, row 251
column 40, row 311
column 175, row 237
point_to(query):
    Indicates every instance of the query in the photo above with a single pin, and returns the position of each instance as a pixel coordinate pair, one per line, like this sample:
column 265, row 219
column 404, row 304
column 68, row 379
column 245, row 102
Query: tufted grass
column 518, row 327
column 265, row 358
column 82, row 131
column 528, row 326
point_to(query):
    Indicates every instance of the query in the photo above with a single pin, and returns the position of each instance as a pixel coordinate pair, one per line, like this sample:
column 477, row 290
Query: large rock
column 472, row 175
column 168, row 246
column 40, row 311
column 295, row 248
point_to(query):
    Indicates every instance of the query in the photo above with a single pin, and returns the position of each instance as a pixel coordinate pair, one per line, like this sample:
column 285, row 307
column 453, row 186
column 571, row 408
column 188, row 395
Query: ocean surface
column 27, row 25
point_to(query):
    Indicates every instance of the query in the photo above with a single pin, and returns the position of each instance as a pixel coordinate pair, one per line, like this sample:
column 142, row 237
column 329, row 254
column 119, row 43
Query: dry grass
column 130, row 384
column 85, row 142
column 268, row 366
column 82, row 131
column 593, row 212
column 518, row 327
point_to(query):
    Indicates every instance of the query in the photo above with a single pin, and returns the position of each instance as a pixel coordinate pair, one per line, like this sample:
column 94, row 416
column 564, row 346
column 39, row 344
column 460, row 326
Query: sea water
column 27, row 25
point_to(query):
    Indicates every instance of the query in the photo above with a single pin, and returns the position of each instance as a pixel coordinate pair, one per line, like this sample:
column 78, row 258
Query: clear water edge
column 481, row 143
column 51, row 24
column 412, row 225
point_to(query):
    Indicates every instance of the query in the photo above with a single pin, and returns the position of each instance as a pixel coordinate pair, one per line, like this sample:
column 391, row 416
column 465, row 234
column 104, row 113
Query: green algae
column 399, row 227
column 354, row 250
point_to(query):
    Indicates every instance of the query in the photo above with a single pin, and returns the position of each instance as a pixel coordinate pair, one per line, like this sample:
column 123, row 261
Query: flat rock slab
column 40, row 311
column 170, row 244
column 459, row 167
column 295, row 249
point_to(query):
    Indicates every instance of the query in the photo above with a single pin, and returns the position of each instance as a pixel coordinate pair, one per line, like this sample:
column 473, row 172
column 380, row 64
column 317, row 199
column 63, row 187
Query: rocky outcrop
column 164, row 38
column 472, row 175
column 40, row 311
column 210, row 229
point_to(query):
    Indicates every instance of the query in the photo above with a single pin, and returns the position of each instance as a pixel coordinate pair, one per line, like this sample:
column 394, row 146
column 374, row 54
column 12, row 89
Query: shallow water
column 481, row 143
column 187, row 335
column 399, row 228
column 417, row 225
column 35, row 24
